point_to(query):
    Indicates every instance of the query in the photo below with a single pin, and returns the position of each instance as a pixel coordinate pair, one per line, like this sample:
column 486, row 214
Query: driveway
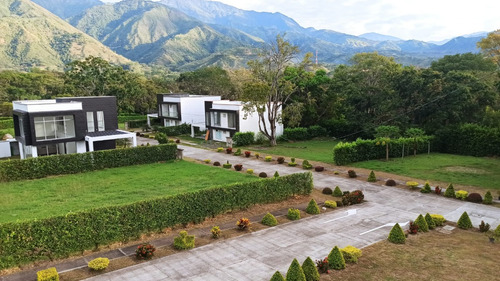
column 257, row 255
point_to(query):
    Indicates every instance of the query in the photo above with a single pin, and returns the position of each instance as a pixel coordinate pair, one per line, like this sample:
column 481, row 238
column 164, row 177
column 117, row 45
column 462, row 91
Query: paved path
column 256, row 256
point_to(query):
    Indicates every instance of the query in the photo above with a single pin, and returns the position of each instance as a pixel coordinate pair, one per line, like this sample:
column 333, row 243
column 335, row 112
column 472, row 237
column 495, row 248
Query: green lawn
column 315, row 150
column 59, row 195
column 466, row 170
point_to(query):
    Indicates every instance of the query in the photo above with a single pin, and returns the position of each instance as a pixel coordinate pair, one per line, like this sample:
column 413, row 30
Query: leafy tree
column 210, row 81
column 490, row 46
column 295, row 272
column 461, row 62
column 417, row 135
column 397, row 235
column 384, row 134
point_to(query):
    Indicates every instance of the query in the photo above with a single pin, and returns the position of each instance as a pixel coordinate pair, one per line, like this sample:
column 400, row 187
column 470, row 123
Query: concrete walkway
column 257, row 255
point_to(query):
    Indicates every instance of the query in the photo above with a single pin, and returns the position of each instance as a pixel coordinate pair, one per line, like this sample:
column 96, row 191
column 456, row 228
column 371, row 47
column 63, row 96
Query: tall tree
column 490, row 45
column 384, row 134
column 467, row 61
column 207, row 81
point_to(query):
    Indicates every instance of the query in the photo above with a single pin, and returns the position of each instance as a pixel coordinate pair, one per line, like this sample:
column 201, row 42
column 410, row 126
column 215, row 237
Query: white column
column 34, row 151
column 149, row 121
column 91, row 145
column 134, row 141
column 192, row 130
column 21, row 150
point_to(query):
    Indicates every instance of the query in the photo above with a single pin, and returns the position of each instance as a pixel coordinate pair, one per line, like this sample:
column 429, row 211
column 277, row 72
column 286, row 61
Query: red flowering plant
column 413, row 228
column 243, row 223
column 229, row 150
column 247, row 153
column 322, row 266
column 437, row 190
column 145, row 251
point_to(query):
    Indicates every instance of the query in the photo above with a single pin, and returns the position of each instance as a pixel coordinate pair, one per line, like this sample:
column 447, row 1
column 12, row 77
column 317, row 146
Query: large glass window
column 215, row 118
column 90, row 122
column 100, row 121
column 54, row 127
column 170, row 110
column 231, row 120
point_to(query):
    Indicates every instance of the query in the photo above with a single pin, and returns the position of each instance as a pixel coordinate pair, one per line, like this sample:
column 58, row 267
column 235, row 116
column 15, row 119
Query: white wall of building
column 5, row 149
column 192, row 109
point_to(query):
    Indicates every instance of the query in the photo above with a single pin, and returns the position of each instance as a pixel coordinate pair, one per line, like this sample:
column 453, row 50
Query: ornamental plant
column 313, row 208
column 145, row 251
column 413, row 229
column 262, row 175
column 439, row 220
column 390, row 182
column 397, row 236
column 243, row 224
column 464, row 221
column 292, row 164
column 276, row 174
column 352, row 173
column 238, row 152
column 98, row 264
column 319, row 168
column 371, row 177
column 430, row 221
column 412, row 184
column 337, row 192
column 229, row 150
column 248, row 153
column 49, row 274
column 268, row 158
column 474, row 198
column 310, row 270
column 335, row 259
column 484, row 227
column 461, row 194
column 250, row 171
column 426, row 188
column 293, row 214
column 496, row 233
column 207, row 161
column 227, row 165
column 238, row 167
column 184, row 241
column 330, row 204
column 215, row 232
column 450, row 191
column 323, row 266
column 295, row 272
column 306, row 165
column 488, row 199
column 438, row 190
column 351, row 254
column 277, row 277
column 257, row 155
column 280, row 160
column 269, row 220
column 422, row 224
column 220, row 149
column 216, row 163
column 327, row 191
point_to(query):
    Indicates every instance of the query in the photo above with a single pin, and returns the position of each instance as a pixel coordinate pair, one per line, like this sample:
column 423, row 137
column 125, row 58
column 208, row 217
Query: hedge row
column 301, row 133
column 363, row 150
column 175, row 130
column 40, row 167
column 127, row 118
column 6, row 124
column 61, row 236
column 469, row 139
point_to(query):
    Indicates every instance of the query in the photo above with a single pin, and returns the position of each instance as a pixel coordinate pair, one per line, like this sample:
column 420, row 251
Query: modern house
column 67, row 125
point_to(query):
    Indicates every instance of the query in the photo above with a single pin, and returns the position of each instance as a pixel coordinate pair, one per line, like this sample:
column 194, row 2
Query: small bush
column 339, row 203
column 292, row 164
column 437, row 190
column 269, row 220
column 330, row 204
column 257, row 155
column 280, row 160
column 352, row 198
column 488, row 199
column 227, row 165
column 215, row 232
column 450, row 191
column 238, row 152
column 422, row 224
column 250, row 171
column 207, row 161
column 295, row 272
column 327, row 191
column 238, row 167
column 372, row 177
column 426, row 188
column 298, row 133
column 263, row 175
column 161, row 138
column 461, row 194
column 397, row 236
column 412, row 184
column 145, row 251
column 98, row 264
column 352, row 174
column 390, row 182
column 247, row 153
column 268, row 158
column 335, row 259
column 293, row 214
column 337, row 192
column 475, row 198
column 243, row 224
column 306, row 165
column 484, row 227
column 49, row 274
column 496, row 233
column 184, row 241
column 312, row 208
column 430, row 221
column 319, row 168
column 310, row 270
column 177, row 141
column 243, row 138
column 464, row 221
column 322, row 266
column 439, row 220
column 217, row 163
column 229, row 150
column 276, row 174
column 277, row 277
column 351, row 254
column 413, row 229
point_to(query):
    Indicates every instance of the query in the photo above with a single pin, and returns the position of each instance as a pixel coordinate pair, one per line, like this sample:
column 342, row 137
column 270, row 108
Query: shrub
column 247, row 153
column 319, row 168
column 293, row 214
column 161, row 138
column 352, row 173
column 390, row 182
column 295, row 272
column 280, row 160
column 269, row 220
column 238, row 167
column 430, row 221
column 298, row 133
column 412, row 184
column 268, row 158
column 312, row 208
column 184, row 241
column 177, row 141
column 263, row 175
column 215, row 232
column 488, row 199
column 475, row 198
column 426, row 188
column 461, row 194
column 49, row 274
column 337, row 192
column 229, row 150
column 98, row 264
column 277, row 277
column 276, row 174
column 323, row 266
column 227, row 165
column 317, row 131
column 422, row 224
column 352, row 198
column 243, row 223
column 257, row 155
column 335, row 259
column 371, row 177
column 397, row 236
column 243, row 139
column 330, row 204
column 484, row 227
column 339, row 203
column 217, row 163
column 238, row 152
column 250, row 171
column 351, row 254
column 496, row 233
column 207, row 161
column 439, row 220
column 327, row 191
column 220, row 149
column 176, row 130
column 464, row 221
column 413, row 229
column 145, row 251
column 292, row 164
column 310, row 270
column 437, row 190
column 450, row 191
column 306, row 165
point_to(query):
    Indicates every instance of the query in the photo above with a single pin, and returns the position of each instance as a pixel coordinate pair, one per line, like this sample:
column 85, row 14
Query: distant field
column 466, row 170
column 59, row 195
column 315, row 150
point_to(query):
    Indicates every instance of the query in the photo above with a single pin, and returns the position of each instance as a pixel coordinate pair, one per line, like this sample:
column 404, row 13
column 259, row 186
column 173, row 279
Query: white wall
column 5, row 149
column 220, row 135
column 251, row 124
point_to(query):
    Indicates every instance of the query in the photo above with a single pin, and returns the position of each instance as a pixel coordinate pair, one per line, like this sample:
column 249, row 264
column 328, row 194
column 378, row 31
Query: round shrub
column 327, row 190
column 220, row 149
column 215, row 232
column 295, row 272
column 310, row 270
column 330, row 204
column 268, row 158
column 430, row 221
column 293, row 214
column 49, row 274
column 161, row 138
column 250, row 171
column 335, row 259
column 319, row 168
column 464, row 221
column 227, row 165
column 351, row 254
column 217, row 163
column 312, row 208
column 337, row 192
column 412, row 184
column 292, row 164
column 475, row 198
column 263, row 175
column 372, row 177
column 280, row 160
column 238, row 152
column 422, row 224
column 426, row 188
column 238, row 167
column 277, row 277
column 439, row 220
column 352, row 173
column 488, row 199
column 306, row 165
column 207, row 161
column 269, row 220
column 390, row 182
column 461, row 194
column 184, row 241
column 243, row 223
column 397, row 236
column 145, row 251
column 450, row 191
column 98, row 263
column 484, row 227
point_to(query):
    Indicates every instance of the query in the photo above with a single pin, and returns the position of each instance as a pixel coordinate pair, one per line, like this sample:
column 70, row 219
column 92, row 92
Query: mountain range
column 182, row 35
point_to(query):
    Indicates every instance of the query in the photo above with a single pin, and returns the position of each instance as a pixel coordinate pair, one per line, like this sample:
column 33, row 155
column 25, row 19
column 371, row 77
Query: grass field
column 315, row 150
column 466, row 170
column 59, row 195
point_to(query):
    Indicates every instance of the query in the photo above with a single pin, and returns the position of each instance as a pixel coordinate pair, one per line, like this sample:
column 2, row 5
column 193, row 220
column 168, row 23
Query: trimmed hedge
column 40, row 167
column 61, row 236
column 243, row 139
column 6, row 124
column 298, row 133
column 128, row 118
column 182, row 129
column 469, row 139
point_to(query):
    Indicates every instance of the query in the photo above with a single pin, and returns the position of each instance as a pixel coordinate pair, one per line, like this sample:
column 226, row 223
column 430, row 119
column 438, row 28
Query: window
column 216, row 118
column 170, row 110
column 100, row 121
column 90, row 122
column 54, row 127
column 231, row 120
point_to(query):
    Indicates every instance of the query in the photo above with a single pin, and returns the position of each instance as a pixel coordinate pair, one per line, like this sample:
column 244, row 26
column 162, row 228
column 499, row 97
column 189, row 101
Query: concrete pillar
column 21, row 150
column 149, row 120
column 34, row 151
column 134, row 141
column 192, row 131
column 91, row 145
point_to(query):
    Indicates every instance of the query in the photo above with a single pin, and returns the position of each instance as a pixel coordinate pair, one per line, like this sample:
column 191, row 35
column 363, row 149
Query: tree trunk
column 387, row 151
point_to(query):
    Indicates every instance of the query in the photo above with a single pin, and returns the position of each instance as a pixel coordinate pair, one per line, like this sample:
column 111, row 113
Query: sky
column 427, row 20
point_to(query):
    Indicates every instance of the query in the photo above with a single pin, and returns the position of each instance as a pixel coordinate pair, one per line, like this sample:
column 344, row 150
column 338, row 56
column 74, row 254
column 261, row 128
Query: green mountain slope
column 33, row 37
